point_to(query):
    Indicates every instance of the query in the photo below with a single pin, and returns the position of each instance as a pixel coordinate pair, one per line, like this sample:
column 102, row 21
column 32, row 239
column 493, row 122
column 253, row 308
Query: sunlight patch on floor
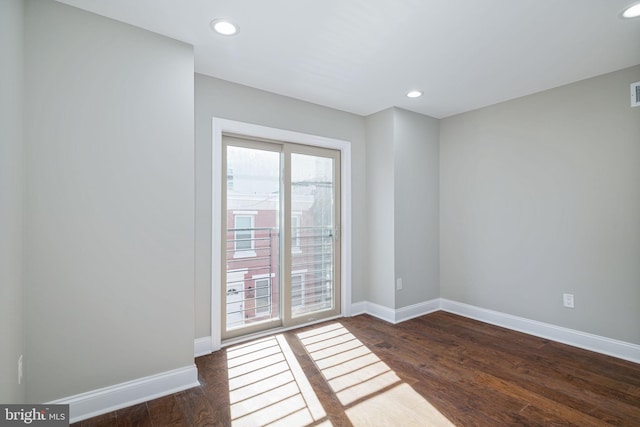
column 267, row 386
column 399, row 404
column 370, row 391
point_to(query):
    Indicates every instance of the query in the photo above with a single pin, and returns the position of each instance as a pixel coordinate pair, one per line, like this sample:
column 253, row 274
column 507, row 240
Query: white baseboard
column 358, row 308
column 416, row 310
column 381, row 312
column 107, row 399
column 395, row 315
column 596, row 343
column 202, row 346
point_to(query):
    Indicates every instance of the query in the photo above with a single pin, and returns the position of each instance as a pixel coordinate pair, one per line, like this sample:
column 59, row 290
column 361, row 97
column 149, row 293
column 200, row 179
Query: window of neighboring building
column 263, row 296
column 244, row 233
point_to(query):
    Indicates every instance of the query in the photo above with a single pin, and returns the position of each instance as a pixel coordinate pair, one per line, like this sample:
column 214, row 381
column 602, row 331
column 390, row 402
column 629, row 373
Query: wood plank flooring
column 438, row 369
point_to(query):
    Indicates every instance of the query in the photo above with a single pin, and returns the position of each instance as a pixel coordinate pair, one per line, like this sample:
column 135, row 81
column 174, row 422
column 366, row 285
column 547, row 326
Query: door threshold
column 274, row 331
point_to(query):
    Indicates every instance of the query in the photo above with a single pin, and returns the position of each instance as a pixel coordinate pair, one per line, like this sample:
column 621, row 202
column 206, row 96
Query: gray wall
column 380, row 207
column 416, row 186
column 109, row 247
column 11, row 188
column 540, row 196
column 221, row 99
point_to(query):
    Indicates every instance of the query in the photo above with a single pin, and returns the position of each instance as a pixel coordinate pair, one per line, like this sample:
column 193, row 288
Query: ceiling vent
column 635, row 94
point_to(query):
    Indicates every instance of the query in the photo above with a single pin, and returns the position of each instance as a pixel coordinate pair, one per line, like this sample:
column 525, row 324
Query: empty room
column 305, row 213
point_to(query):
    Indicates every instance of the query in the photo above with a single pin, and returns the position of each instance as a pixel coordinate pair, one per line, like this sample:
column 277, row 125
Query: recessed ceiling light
column 224, row 27
column 414, row 94
column 632, row 11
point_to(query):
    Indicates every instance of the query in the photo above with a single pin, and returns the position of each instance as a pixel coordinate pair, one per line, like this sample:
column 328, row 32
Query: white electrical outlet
column 398, row 284
column 20, row 369
column 635, row 94
column 567, row 300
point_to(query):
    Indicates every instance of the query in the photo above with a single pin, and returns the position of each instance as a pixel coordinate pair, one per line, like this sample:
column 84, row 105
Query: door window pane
column 312, row 195
column 252, row 246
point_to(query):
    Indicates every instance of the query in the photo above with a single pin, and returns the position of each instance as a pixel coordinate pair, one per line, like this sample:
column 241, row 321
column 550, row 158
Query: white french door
column 281, row 230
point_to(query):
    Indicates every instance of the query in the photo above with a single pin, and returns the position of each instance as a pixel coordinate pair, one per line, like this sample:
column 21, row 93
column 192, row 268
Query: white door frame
column 256, row 131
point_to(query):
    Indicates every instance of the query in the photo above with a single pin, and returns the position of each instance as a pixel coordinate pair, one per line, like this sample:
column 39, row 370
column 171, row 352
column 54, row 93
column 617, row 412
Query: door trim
column 256, row 131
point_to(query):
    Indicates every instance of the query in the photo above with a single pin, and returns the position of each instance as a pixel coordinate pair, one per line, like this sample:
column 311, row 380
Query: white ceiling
column 362, row 56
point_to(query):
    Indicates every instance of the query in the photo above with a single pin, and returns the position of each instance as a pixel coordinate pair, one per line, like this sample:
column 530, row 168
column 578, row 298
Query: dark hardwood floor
column 438, row 369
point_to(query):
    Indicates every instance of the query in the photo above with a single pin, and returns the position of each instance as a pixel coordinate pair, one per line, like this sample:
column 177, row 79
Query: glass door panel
column 314, row 241
column 252, row 247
